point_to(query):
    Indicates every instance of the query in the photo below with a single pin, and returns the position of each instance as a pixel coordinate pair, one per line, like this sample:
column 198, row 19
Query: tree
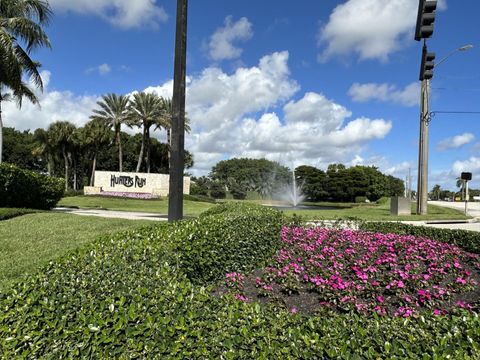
column 167, row 115
column 21, row 32
column 113, row 111
column 61, row 134
column 436, row 190
column 145, row 110
column 44, row 148
column 96, row 134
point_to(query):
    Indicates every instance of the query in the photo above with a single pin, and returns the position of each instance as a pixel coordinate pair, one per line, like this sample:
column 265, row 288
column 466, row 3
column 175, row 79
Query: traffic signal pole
column 422, row 186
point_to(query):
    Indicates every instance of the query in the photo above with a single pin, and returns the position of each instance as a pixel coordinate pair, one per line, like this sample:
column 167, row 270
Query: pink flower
column 461, row 280
column 380, row 299
column 294, row 310
column 437, row 312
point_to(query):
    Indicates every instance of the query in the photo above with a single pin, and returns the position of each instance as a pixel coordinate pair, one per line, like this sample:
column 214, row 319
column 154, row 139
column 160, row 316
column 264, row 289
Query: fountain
column 292, row 194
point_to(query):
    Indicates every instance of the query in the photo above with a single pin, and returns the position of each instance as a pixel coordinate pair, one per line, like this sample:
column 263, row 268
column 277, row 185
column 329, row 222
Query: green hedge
column 27, row 189
column 467, row 240
column 126, row 296
column 228, row 237
column 9, row 213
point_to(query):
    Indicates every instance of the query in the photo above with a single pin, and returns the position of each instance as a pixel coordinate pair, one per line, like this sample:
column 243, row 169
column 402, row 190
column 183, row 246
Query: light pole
column 422, row 185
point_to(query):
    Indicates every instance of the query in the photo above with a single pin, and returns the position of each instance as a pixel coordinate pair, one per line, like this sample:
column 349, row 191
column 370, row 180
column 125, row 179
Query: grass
column 190, row 208
column 374, row 212
column 30, row 241
column 369, row 212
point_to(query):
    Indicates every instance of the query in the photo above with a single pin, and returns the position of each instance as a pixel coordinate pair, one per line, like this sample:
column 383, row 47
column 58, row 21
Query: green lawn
column 374, row 212
column 369, row 212
column 190, row 208
column 30, row 241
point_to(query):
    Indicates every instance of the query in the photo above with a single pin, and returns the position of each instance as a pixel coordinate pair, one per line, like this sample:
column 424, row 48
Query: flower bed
column 386, row 274
column 131, row 195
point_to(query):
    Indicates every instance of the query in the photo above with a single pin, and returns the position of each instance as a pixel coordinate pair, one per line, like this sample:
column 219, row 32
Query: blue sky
column 304, row 82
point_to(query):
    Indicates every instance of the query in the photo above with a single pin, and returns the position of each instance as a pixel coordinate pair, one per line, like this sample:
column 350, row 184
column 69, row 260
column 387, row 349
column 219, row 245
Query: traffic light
column 426, row 68
column 425, row 19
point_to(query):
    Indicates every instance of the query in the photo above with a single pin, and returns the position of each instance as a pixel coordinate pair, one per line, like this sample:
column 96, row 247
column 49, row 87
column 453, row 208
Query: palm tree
column 96, row 134
column 113, row 111
column 44, row 148
column 20, row 32
column 61, row 134
column 145, row 111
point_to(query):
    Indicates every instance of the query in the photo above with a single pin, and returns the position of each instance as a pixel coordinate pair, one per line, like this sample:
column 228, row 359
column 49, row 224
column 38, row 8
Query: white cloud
column 409, row 96
column 471, row 165
column 455, row 141
column 54, row 106
column 121, row 13
column 221, row 42
column 373, row 29
column 238, row 115
column 102, row 69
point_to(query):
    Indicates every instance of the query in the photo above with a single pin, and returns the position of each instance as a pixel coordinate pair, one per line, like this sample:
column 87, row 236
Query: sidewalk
column 128, row 215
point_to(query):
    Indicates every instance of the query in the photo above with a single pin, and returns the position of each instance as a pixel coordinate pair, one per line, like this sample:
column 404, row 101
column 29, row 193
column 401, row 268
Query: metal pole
column 175, row 194
column 466, row 196
column 422, row 187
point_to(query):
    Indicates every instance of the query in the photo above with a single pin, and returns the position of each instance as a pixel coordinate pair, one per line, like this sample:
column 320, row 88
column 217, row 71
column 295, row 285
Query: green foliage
column 28, row 189
column 217, row 191
column 467, row 240
column 199, row 198
column 238, row 192
column 125, row 297
column 229, row 237
column 360, row 199
column 260, row 175
column 8, row 213
column 340, row 183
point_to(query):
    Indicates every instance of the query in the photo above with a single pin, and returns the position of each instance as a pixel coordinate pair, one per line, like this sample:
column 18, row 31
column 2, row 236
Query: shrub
column 201, row 198
column 467, row 240
column 238, row 192
column 124, row 296
column 360, row 199
column 28, row 189
column 196, row 189
column 217, row 191
column 228, row 237
column 8, row 213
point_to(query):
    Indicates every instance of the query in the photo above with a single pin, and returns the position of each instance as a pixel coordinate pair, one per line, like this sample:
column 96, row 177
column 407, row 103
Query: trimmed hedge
column 467, row 240
column 228, row 237
column 126, row 296
column 27, row 189
column 9, row 213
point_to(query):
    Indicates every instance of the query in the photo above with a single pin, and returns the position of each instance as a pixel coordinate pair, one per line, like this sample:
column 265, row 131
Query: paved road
column 473, row 208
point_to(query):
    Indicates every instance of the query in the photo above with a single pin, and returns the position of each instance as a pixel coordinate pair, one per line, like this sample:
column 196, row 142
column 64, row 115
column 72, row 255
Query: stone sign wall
column 125, row 182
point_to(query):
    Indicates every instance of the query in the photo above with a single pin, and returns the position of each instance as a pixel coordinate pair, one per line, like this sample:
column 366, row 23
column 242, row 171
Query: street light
column 422, row 185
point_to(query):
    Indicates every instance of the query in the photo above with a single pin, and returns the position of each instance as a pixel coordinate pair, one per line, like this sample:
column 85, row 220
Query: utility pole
column 175, row 193
column 422, row 188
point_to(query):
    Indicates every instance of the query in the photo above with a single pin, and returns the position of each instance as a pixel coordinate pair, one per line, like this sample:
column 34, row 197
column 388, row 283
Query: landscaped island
column 156, row 293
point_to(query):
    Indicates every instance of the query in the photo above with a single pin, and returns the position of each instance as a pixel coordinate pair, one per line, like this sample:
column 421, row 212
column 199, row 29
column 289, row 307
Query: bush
column 9, row 213
column 229, row 237
column 201, row 198
column 28, row 189
column 196, row 189
column 238, row 193
column 217, row 191
column 467, row 240
column 360, row 199
column 124, row 296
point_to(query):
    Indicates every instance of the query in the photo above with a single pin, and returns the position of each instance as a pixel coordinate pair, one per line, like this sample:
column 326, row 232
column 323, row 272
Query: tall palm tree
column 113, row 111
column 96, row 134
column 61, row 134
column 20, row 32
column 146, row 111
